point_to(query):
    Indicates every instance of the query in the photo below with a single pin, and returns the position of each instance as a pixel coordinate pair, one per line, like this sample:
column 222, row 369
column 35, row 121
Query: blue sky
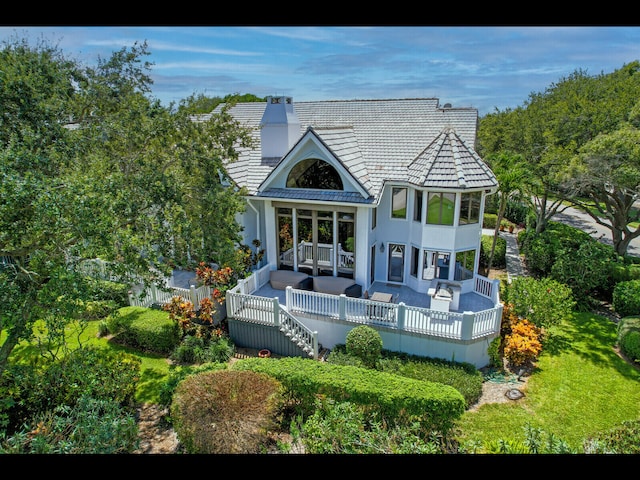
column 483, row 67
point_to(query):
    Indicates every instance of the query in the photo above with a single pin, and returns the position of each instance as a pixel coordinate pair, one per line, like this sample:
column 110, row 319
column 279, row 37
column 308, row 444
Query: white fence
column 140, row 296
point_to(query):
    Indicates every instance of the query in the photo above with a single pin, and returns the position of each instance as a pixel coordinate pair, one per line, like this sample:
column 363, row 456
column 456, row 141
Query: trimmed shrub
column 630, row 346
column 544, row 302
column 499, row 255
column 489, row 220
column 462, row 376
column 626, row 298
column 623, row 272
column 399, row 400
column 365, row 343
column 146, row 329
column 225, row 411
column 628, row 334
column 179, row 373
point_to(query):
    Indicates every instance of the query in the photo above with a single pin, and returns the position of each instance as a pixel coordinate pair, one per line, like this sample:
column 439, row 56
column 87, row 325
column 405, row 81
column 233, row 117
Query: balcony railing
column 467, row 326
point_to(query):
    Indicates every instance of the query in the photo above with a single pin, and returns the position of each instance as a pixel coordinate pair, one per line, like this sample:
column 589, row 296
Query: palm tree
column 510, row 171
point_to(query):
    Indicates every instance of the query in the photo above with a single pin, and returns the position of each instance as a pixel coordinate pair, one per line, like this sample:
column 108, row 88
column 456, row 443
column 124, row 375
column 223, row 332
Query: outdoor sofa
column 281, row 279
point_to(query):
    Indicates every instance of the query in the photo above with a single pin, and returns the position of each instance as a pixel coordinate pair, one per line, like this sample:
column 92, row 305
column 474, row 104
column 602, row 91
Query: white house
column 378, row 200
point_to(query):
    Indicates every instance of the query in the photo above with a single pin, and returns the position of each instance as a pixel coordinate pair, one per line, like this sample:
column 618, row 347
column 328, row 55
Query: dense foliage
column 578, row 140
column 91, row 166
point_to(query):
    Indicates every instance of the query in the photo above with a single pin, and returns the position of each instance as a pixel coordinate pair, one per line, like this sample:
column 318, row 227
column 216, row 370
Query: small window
column 417, row 206
column 414, row 261
column 399, row 202
column 440, row 208
column 470, row 207
column 465, row 263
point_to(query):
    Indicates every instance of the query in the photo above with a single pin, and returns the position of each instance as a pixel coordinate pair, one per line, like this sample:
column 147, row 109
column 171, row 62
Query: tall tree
column 606, row 183
column 552, row 126
column 90, row 166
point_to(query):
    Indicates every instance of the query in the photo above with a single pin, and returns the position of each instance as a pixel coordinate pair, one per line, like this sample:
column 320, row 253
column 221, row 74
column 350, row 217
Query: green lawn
column 154, row 368
column 580, row 387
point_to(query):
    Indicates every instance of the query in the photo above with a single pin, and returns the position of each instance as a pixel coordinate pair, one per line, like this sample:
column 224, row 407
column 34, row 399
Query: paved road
column 581, row 220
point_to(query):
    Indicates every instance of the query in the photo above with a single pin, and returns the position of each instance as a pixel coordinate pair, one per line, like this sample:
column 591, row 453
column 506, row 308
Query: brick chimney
column 279, row 127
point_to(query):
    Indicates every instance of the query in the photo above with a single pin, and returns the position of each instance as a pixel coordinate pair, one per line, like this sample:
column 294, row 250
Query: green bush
column 541, row 249
column 99, row 373
column 630, row 346
column 626, row 298
column 495, row 356
column 179, row 373
column 193, row 349
column 499, row 255
column 621, row 440
column 345, row 428
column 99, row 309
column 516, row 212
column 623, row 272
column 365, row 343
column 544, row 302
column 225, row 412
column 91, row 426
column 489, row 220
column 628, row 336
column 110, row 291
column 586, row 271
column 146, row 329
column 462, row 376
column 399, row 400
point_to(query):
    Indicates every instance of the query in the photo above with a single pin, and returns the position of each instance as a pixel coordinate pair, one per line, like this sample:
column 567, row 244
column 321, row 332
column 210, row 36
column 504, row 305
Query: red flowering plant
column 220, row 280
column 180, row 311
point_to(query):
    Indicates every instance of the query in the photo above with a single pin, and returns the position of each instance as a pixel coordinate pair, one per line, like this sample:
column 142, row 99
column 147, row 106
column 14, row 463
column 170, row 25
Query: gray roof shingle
column 378, row 141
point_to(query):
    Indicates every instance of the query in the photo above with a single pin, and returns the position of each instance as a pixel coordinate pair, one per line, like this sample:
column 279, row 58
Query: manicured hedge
column 145, row 328
column 397, row 398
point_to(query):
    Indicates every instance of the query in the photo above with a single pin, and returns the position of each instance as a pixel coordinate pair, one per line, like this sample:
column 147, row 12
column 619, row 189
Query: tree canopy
column 92, row 166
column 559, row 133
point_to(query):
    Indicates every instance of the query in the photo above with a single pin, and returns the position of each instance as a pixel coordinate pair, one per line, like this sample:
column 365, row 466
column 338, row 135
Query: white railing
column 268, row 311
column 487, row 288
column 324, row 252
column 424, row 321
column 141, row 296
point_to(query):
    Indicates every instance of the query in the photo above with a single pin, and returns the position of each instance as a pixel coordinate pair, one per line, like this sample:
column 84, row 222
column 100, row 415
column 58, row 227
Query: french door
column 396, row 262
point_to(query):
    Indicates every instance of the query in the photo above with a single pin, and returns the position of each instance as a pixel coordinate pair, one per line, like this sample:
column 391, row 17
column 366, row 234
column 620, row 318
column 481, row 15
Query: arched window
column 314, row 173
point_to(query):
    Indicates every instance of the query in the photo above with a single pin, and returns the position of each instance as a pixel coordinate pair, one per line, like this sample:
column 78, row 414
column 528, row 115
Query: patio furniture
column 382, row 297
column 281, row 279
column 337, row 286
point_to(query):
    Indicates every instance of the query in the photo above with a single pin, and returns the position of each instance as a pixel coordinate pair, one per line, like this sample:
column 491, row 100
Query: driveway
column 576, row 218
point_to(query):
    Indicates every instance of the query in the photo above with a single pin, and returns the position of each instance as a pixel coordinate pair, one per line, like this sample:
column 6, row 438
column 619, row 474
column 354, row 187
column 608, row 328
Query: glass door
column 304, row 242
column 396, row 263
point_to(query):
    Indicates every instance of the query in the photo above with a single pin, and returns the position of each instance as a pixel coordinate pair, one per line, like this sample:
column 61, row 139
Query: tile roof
column 449, row 163
column 378, row 140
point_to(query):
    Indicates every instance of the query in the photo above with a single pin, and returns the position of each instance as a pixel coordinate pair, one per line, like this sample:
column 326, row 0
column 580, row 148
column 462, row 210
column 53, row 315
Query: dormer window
column 314, row 173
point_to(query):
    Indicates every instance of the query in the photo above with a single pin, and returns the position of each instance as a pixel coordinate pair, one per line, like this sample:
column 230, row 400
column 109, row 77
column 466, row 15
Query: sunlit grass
column 580, row 387
column 154, row 368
